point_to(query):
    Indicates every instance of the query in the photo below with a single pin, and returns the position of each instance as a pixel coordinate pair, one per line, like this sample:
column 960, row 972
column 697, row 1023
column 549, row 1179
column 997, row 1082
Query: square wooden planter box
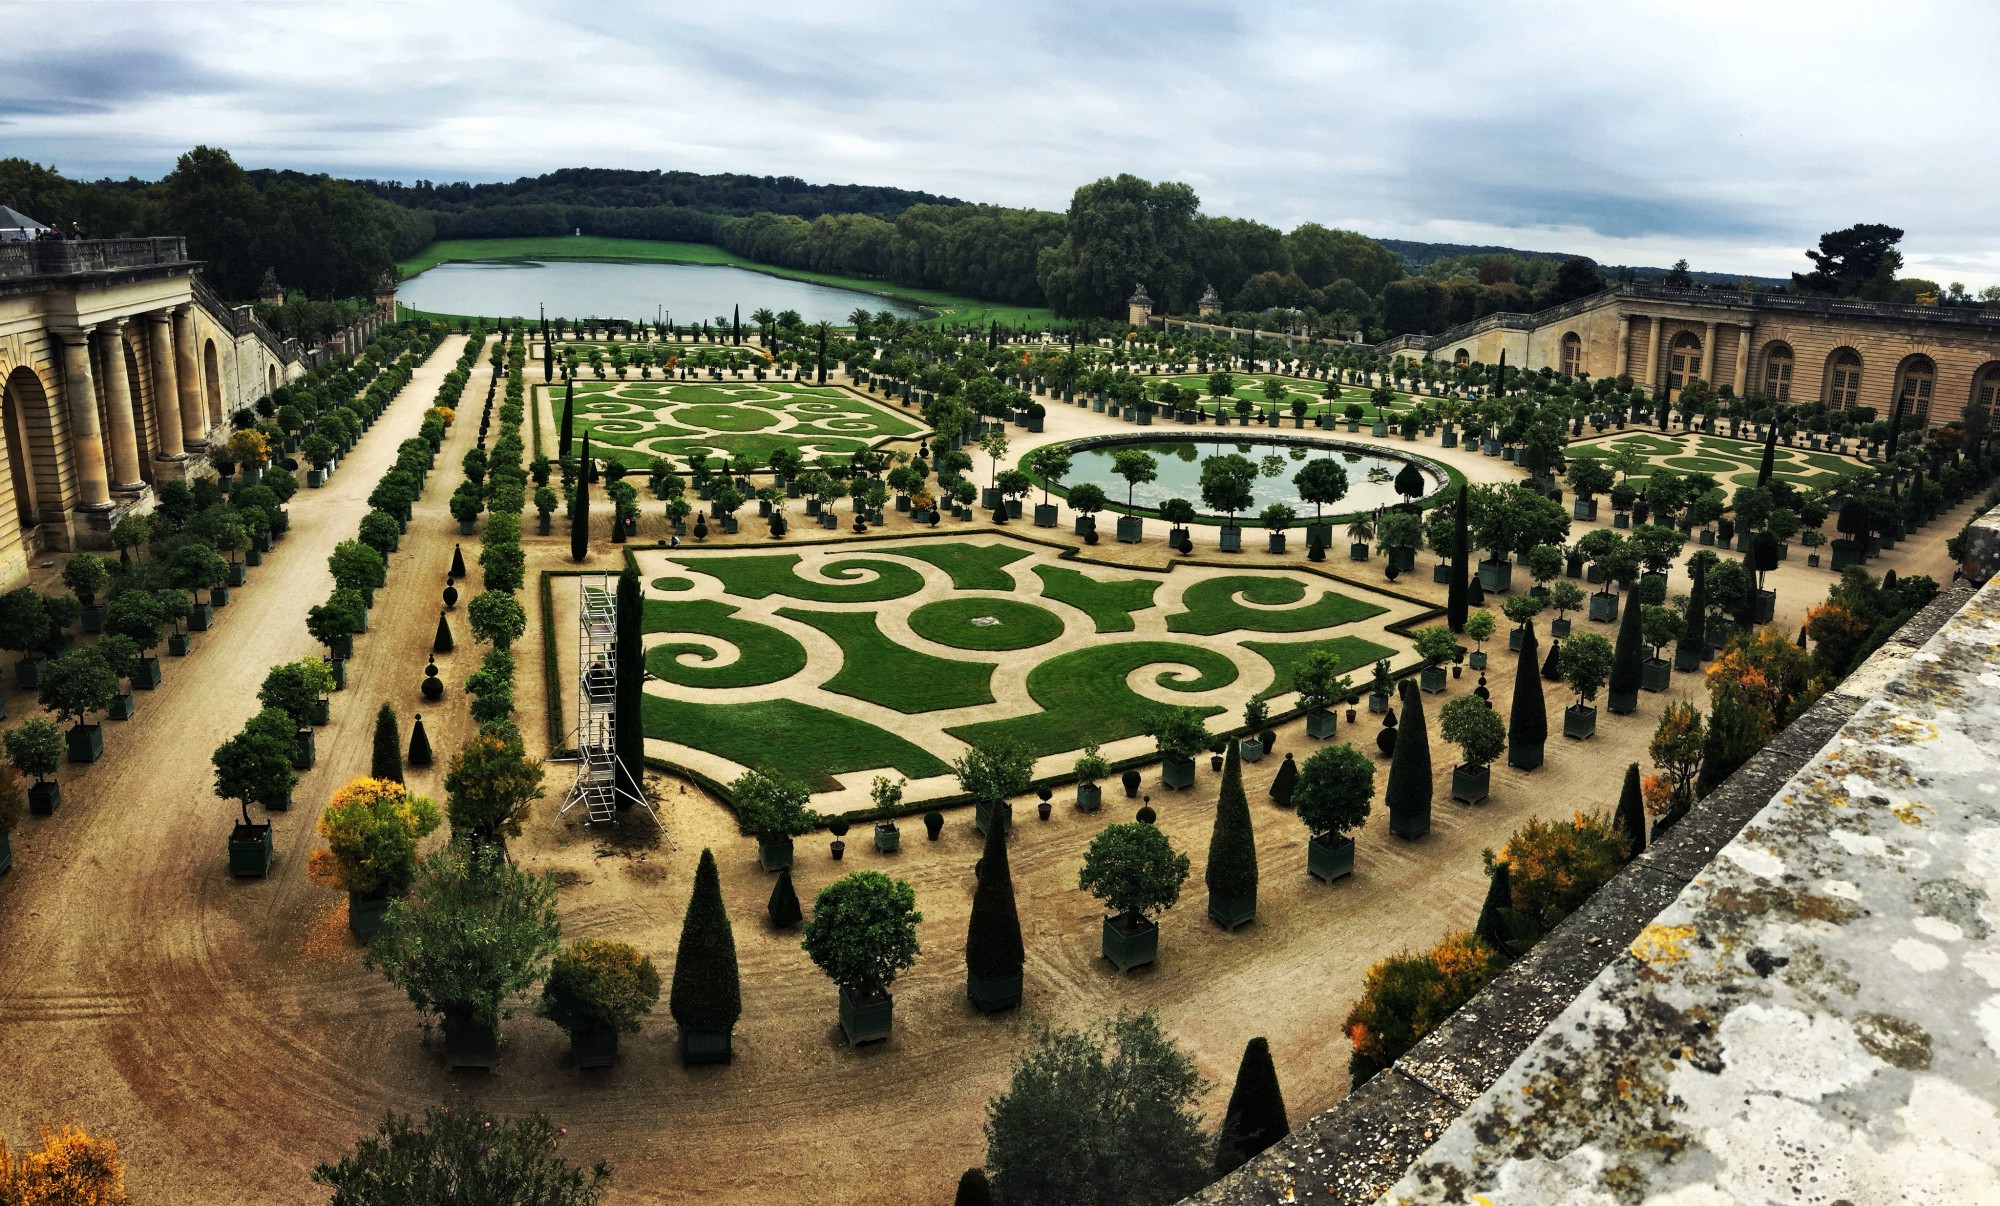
column 1330, row 862
column 593, row 1049
column 44, row 797
column 1431, row 679
column 122, row 707
column 1622, row 703
column 470, row 1043
column 982, row 816
column 991, row 996
column 866, row 1021
column 1252, row 750
column 1496, row 576
column 1177, row 773
column 1469, row 783
column 1322, row 724
column 706, row 1047
column 364, row 916
column 86, row 742
column 1089, row 797
column 1524, row 755
column 250, row 849
column 1231, row 540
column 1127, row 949
column 1603, row 607
column 1579, row 722
column 774, row 856
column 1655, row 674
column 1232, row 912
column 888, row 838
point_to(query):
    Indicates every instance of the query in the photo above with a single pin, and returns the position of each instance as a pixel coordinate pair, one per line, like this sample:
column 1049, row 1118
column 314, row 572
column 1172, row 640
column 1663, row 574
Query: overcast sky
column 1731, row 133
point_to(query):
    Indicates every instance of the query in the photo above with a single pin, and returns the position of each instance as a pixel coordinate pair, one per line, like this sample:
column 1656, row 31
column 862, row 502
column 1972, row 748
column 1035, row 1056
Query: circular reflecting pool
column 1371, row 471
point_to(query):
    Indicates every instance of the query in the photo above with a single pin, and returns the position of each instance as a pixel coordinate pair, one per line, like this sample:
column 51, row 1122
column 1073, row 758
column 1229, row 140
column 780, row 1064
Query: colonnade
column 107, row 456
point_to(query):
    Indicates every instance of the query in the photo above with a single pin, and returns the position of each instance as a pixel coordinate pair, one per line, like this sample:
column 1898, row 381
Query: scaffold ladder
column 601, row 779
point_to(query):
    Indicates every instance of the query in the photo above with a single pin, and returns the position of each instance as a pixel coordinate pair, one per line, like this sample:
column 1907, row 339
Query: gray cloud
column 1640, row 132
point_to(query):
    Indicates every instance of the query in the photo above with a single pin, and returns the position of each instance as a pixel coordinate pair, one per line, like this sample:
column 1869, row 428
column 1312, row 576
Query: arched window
column 1683, row 362
column 1843, row 379
column 1463, row 358
column 1914, row 382
column 1778, row 372
column 1572, row 354
column 1986, row 388
column 24, row 410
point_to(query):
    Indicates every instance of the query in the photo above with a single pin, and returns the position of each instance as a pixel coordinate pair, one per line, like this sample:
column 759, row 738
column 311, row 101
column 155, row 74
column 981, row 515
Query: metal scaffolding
column 601, row 779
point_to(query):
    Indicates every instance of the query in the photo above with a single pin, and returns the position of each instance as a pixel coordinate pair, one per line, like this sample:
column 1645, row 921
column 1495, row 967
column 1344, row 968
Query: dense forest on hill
column 331, row 238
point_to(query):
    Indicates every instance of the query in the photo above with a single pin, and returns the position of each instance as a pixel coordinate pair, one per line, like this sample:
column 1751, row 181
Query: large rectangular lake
column 580, row 289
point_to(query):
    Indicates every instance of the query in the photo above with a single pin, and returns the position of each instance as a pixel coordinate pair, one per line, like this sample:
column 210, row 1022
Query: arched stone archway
column 270, row 379
column 1916, row 381
column 30, row 434
column 1776, row 382
column 211, row 380
column 1842, row 387
column 1683, row 363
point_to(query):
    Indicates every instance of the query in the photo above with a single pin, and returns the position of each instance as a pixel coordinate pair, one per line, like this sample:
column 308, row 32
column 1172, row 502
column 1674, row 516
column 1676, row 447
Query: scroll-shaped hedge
column 764, row 654
column 1084, row 696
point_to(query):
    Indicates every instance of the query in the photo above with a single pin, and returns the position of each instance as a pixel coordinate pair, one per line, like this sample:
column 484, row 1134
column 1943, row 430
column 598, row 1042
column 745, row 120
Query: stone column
column 166, row 391
column 1653, row 357
column 194, row 422
column 1742, row 360
column 85, row 437
column 1624, row 340
column 118, row 407
column 1708, row 353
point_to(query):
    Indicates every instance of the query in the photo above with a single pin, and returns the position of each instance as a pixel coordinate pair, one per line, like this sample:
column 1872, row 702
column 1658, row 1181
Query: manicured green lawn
column 586, row 247
column 950, row 622
column 1109, row 604
column 1212, row 607
column 765, row 655
column 777, row 574
column 971, row 566
column 635, row 421
column 1084, row 698
column 783, row 736
column 1733, row 462
column 673, row 583
column 875, row 669
column 1352, row 653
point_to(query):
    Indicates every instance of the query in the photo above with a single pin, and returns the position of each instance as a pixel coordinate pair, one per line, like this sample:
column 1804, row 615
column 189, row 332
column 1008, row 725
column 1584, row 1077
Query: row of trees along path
column 139, row 976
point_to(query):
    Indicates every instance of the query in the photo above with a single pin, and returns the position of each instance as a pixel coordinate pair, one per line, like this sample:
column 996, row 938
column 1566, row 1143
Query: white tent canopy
column 17, row 227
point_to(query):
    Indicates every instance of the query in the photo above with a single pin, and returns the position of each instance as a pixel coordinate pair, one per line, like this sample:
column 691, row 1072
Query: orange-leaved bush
column 1405, row 996
column 371, row 827
column 1554, row 866
column 72, row 1167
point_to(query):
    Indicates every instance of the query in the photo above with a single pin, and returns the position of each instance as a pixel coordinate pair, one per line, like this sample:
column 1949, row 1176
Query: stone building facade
column 117, row 364
column 1932, row 363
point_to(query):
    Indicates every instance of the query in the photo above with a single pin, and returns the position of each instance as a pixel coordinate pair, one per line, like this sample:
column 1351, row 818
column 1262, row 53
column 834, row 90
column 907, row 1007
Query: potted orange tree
column 773, row 809
column 255, row 766
column 371, row 827
column 1333, row 794
column 1135, row 871
column 597, row 990
column 863, row 933
column 11, row 806
column 1471, row 724
column 35, row 748
column 73, row 686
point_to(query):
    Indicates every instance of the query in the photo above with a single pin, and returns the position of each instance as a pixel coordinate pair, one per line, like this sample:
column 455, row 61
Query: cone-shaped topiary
column 387, row 762
column 973, row 1189
column 579, row 514
column 784, row 903
column 1694, row 636
column 1409, row 791
column 457, row 563
column 629, row 729
column 1632, row 814
column 1283, row 782
column 1232, row 843
column 1458, row 599
column 993, row 949
column 568, row 419
column 442, row 642
column 1552, row 664
column 1492, row 927
column 1256, row 1115
column 1625, row 658
column 1528, row 719
column 707, row 994
column 420, row 743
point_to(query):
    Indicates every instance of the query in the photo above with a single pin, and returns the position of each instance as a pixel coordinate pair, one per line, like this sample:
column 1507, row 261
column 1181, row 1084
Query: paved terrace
column 1794, row 998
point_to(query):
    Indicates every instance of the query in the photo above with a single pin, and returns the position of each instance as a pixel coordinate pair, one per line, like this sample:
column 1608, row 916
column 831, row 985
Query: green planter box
column 888, row 838
column 250, row 849
column 44, row 797
column 1378, row 704
column 706, row 1047
column 364, row 916
column 1579, row 722
column 178, row 644
column 200, row 617
column 774, row 855
column 1559, row 627
column 86, row 742
column 593, row 1049
column 1469, row 784
column 1127, row 949
column 93, row 619
column 238, row 573
column 1603, row 607
column 1177, row 773
column 991, row 996
column 305, row 753
column 1655, row 674
column 1131, row 529
column 1045, row 515
column 470, row 1043
column 1524, row 755
column 1252, row 750
column 866, row 1021
column 122, row 707
column 1089, row 797
column 218, row 598
column 1431, row 679
column 982, row 816
column 1322, row 723
column 1231, row 540
column 28, row 672
column 1622, row 703
column 1234, row 911
column 1330, row 862
column 1496, row 576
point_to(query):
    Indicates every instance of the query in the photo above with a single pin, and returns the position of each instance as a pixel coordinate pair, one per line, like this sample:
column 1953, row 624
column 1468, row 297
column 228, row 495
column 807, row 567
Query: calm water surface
column 1180, row 473
column 690, row 292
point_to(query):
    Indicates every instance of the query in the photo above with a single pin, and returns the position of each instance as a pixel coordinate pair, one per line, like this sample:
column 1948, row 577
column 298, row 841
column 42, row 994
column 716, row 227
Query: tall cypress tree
column 973, row 1189
column 579, row 515
column 707, row 993
column 1457, row 600
column 736, row 325
column 387, row 762
column 568, row 419
column 1409, row 791
column 1528, row 719
column 1746, row 615
column 1255, row 1118
column 1624, row 684
column 1632, row 814
column 1770, row 456
column 1232, row 844
column 1492, row 928
column 1694, row 635
column 993, row 949
column 627, row 724
column 420, row 743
